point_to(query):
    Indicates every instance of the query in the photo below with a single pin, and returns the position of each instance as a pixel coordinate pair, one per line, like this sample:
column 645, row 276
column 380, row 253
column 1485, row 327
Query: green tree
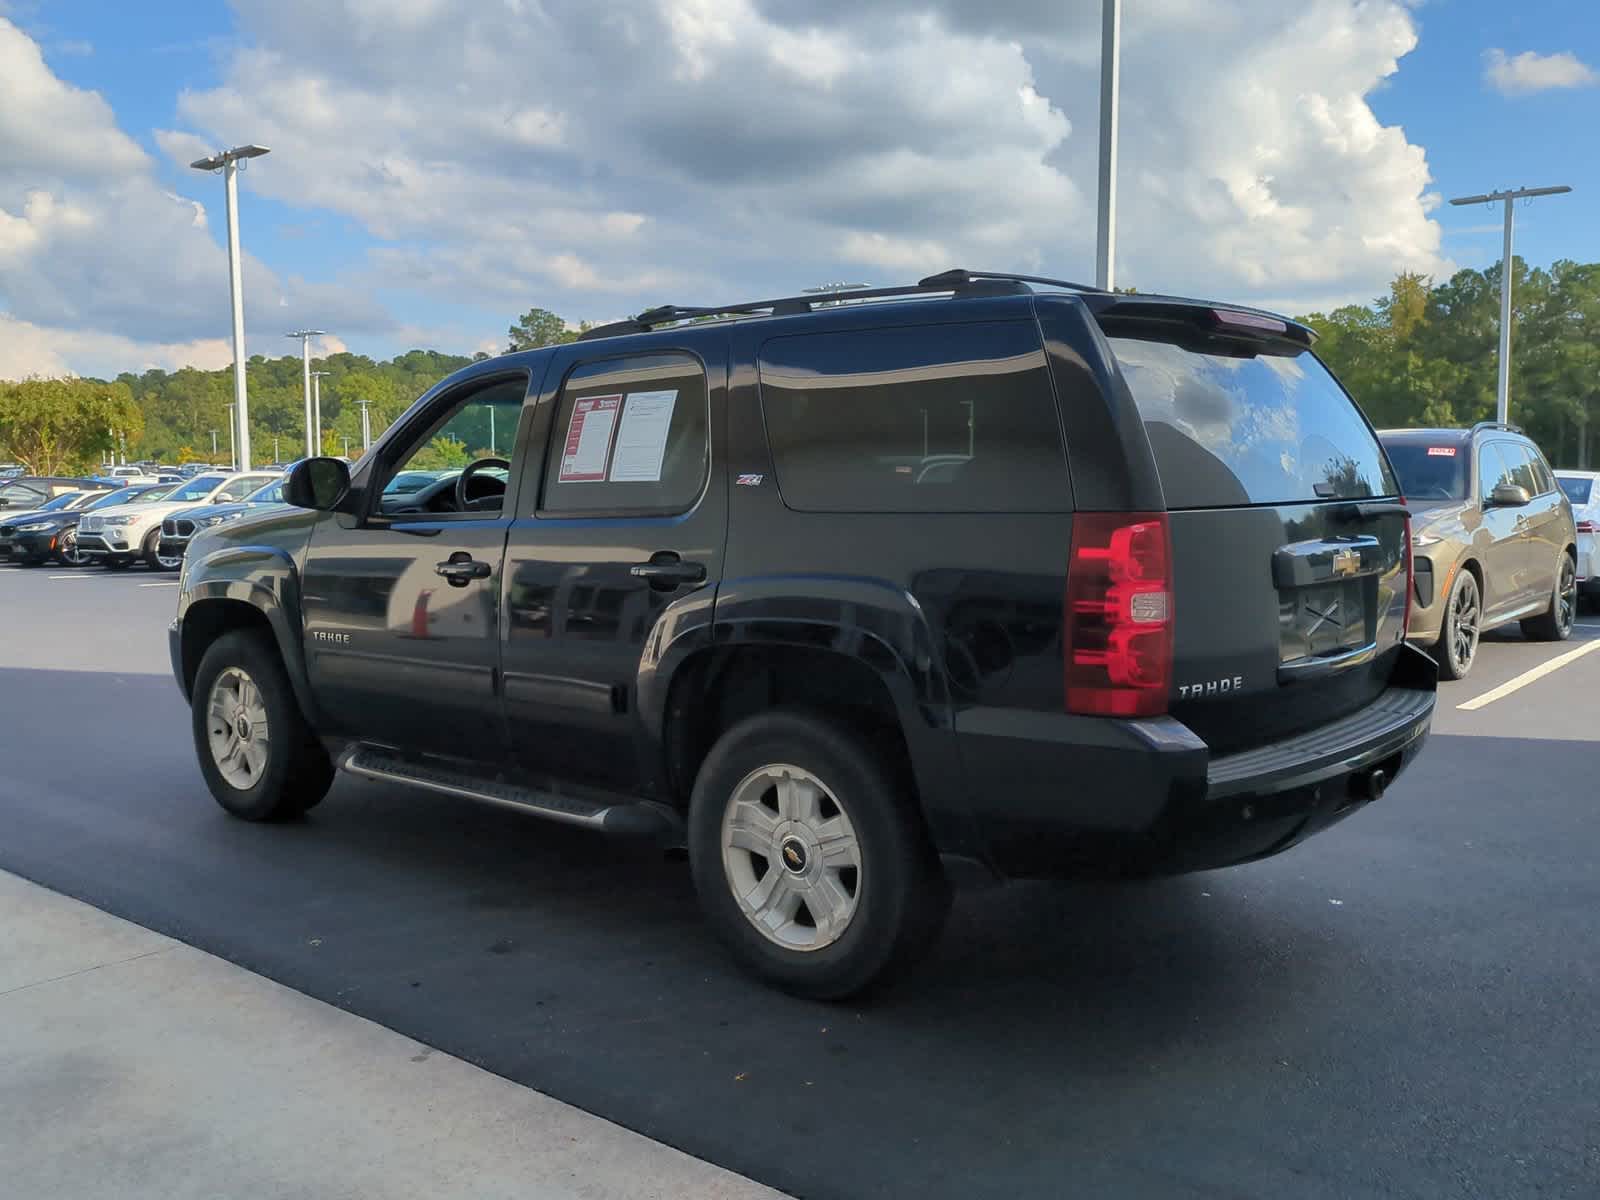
column 52, row 426
column 538, row 327
column 443, row 453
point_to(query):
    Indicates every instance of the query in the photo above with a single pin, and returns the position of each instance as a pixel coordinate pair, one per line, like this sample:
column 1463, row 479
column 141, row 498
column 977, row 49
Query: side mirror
column 1509, row 495
column 319, row 483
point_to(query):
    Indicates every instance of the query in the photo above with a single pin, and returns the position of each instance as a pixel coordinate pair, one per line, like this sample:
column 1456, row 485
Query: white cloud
column 1518, row 74
column 27, row 349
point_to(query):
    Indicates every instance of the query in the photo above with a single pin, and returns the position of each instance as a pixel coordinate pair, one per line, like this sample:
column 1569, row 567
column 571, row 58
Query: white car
column 117, row 536
column 1583, row 490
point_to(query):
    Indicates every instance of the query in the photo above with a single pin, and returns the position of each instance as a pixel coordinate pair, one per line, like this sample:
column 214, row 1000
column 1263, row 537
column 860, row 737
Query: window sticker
column 1441, row 451
column 642, row 437
column 583, row 458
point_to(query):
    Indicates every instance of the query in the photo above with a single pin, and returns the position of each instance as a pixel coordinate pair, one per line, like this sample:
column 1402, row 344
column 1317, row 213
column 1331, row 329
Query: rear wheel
column 1458, row 639
column 1555, row 623
column 258, row 755
column 810, row 857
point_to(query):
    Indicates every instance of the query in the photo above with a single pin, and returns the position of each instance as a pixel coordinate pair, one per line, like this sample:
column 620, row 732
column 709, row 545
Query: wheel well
column 207, row 620
column 718, row 688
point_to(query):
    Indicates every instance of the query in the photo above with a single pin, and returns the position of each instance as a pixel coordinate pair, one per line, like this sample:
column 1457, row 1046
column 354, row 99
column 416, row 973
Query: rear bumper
column 1152, row 799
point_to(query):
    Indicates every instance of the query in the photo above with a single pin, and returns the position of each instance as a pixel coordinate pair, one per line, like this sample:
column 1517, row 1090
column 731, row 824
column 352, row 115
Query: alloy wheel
column 67, row 547
column 792, row 857
column 1464, row 612
column 1566, row 595
column 236, row 729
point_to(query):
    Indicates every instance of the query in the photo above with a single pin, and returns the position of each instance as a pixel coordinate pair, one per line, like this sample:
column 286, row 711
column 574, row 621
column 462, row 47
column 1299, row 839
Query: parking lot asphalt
column 1404, row 1006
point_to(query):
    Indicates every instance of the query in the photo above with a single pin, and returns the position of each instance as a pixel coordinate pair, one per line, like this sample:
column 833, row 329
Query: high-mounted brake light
column 1118, row 644
column 1229, row 318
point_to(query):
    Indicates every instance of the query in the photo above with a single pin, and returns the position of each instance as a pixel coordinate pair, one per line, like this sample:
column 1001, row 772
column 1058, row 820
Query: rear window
column 1434, row 470
column 946, row 418
column 1577, row 490
column 1234, row 422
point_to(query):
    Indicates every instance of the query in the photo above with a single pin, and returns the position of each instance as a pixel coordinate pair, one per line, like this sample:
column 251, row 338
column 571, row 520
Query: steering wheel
column 464, row 500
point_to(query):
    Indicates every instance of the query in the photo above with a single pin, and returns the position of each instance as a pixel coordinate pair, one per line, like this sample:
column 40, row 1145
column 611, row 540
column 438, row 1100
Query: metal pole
column 1503, row 383
column 305, row 367
column 491, row 431
column 233, row 443
column 316, row 405
column 1110, row 70
column 346, row 440
column 275, row 457
column 241, row 418
column 213, row 443
column 366, row 425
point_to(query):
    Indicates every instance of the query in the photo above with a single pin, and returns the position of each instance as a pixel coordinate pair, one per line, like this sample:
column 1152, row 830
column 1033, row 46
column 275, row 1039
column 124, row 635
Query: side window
column 946, row 418
column 1541, row 472
column 1492, row 470
column 1523, row 473
column 479, row 424
column 630, row 437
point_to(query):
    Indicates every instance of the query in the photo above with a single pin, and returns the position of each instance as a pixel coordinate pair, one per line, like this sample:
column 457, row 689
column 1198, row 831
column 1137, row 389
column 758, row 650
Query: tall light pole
column 233, row 444
column 1503, row 383
column 305, row 336
column 213, row 443
column 228, row 161
column 1105, row 240
column 316, row 402
column 366, row 424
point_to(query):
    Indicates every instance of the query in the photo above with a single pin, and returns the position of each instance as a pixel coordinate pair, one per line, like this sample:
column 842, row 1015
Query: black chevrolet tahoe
column 851, row 596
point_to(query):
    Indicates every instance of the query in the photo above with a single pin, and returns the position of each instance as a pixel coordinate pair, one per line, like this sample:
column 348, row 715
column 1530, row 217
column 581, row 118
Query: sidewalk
column 132, row 1065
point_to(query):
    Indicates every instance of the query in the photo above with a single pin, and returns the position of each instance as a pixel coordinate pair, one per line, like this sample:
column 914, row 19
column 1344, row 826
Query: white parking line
column 158, row 585
column 1527, row 677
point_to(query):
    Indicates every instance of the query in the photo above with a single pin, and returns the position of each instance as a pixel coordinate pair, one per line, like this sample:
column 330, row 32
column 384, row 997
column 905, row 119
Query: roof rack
column 1495, row 425
column 957, row 282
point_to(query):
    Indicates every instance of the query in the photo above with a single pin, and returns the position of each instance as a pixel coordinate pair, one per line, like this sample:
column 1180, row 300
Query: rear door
column 1288, row 538
column 618, row 544
column 1545, row 528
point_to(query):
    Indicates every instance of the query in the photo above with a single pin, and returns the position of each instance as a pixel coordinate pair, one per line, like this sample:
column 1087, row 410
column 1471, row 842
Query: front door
column 620, row 536
column 401, row 602
column 1505, row 574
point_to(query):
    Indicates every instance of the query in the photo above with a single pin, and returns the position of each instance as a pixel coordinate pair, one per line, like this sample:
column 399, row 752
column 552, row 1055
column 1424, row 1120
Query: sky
column 440, row 166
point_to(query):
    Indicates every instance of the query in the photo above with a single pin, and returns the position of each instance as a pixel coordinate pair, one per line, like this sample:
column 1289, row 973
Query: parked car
column 1156, row 625
column 26, row 493
column 1493, row 535
column 117, row 537
column 125, row 475
column 1582, row 489
column 10, row 521
column 46, row 536
column 178, row 528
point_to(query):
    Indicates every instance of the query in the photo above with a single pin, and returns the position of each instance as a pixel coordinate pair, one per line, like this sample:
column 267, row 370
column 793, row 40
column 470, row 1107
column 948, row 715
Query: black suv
column 849, row 597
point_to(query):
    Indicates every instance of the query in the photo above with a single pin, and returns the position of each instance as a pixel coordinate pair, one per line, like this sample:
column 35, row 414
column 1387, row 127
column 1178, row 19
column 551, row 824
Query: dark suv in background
column 849, row 598
column 1493, row 536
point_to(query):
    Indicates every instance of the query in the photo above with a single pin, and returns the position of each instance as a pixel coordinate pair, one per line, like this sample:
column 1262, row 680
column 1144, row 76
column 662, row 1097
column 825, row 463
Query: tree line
column 1423, row 354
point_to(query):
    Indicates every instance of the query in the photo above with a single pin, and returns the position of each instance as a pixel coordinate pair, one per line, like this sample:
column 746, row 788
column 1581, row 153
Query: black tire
column 151, row 548
column 1457, row 647
column 902, row 896
column 297, row 772
column 1555, row 623
column 67, row 544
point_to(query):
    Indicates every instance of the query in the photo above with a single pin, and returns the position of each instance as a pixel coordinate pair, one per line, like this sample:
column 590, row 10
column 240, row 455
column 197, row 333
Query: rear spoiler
column 1231, row 320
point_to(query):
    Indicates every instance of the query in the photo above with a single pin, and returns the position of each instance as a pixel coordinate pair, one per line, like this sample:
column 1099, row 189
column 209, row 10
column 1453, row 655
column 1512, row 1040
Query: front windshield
column 1429, row 470
column 198, row 489
column 112, row 499
column 62, row 501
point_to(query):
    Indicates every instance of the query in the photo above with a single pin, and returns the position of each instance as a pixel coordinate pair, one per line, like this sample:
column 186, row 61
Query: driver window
column 481, row 426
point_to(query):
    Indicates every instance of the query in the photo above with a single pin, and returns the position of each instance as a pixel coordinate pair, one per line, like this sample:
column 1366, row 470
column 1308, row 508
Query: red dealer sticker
column 1441, row 451
column 583, row 458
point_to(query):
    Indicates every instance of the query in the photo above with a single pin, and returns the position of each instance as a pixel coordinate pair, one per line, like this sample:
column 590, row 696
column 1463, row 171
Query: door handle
column 666, row 570
column 461, row 569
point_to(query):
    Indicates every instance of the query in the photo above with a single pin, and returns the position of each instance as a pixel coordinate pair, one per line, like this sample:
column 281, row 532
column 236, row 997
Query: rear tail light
column 1118, row 645
column 1585, row 526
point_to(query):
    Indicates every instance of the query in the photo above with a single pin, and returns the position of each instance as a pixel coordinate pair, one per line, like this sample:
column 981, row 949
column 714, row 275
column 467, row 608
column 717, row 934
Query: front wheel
column 1555, row 623
column 258, row 755
column 810, row 857
column 150, row 552
column 1458, row 639
column 67, row 549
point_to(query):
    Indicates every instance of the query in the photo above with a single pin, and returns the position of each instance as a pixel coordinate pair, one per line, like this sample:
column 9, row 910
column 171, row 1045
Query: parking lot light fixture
column 305, row 336
column 228, row 162
column 1503, row 382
